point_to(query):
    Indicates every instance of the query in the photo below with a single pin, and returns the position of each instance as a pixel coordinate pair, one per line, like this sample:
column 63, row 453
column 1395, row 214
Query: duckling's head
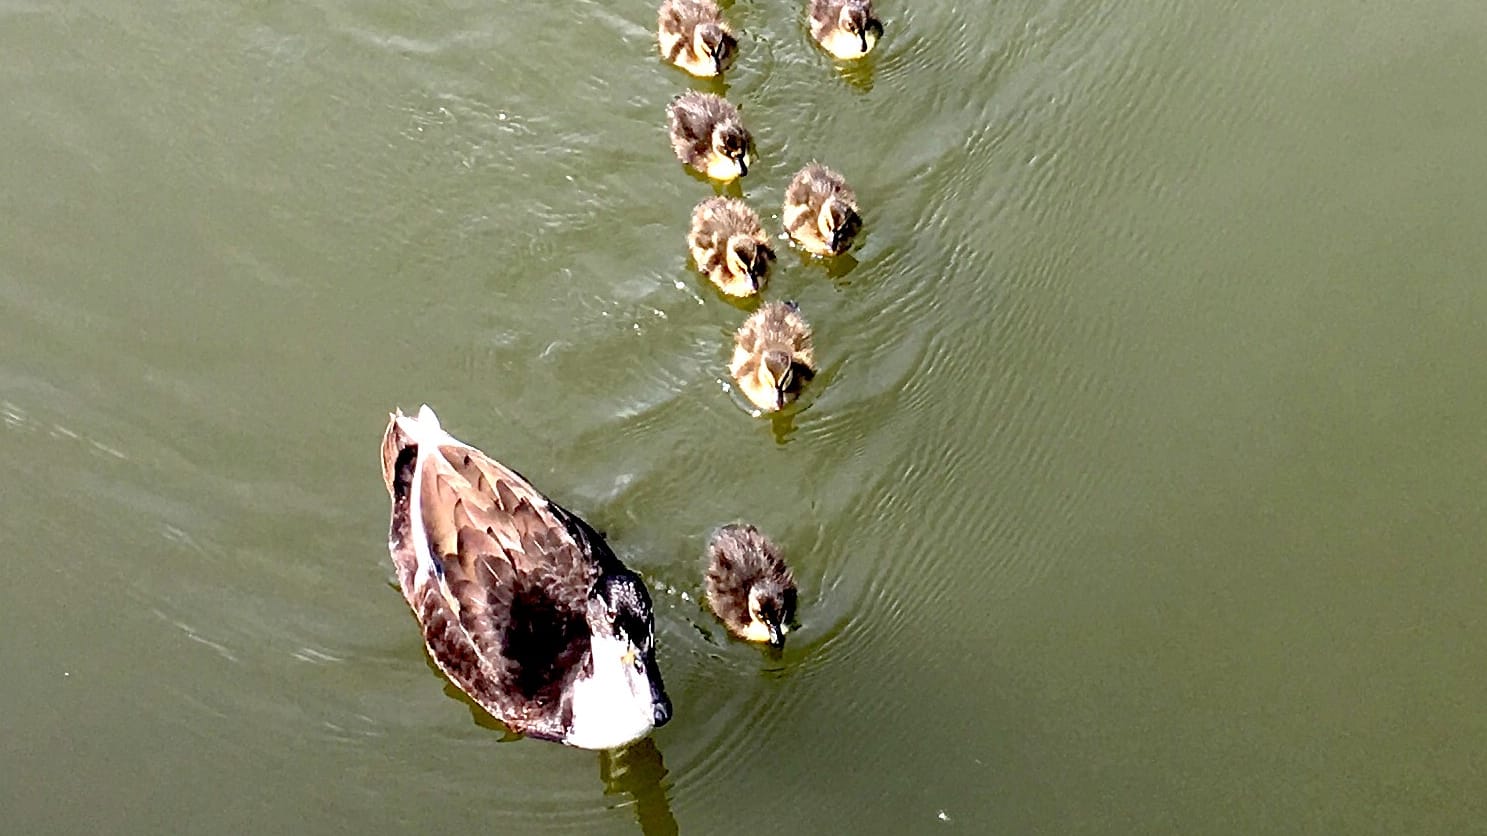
column 771, row 609
column 857, row 20
column 777, row 373
column 748, row 259
column 731, row 142
column 838, row 223
column 620, row 696
column 711, row 41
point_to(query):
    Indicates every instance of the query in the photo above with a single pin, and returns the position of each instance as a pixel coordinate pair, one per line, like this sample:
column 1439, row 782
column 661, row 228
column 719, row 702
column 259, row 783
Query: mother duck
column 522, row 604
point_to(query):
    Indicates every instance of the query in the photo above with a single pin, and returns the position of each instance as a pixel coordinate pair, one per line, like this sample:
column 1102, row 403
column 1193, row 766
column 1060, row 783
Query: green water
column 1141, row 490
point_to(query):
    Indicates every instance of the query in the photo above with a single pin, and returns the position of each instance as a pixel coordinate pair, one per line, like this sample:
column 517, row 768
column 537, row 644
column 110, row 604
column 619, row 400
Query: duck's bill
column 660, row 703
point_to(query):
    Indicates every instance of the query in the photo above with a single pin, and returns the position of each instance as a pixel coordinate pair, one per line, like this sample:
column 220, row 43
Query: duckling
column 821, row 211
column 521, row 604
column 772, row 355
column 707, row 135
column 845, row 28
column 729, row 246
column 749, row 586
column 694, row 37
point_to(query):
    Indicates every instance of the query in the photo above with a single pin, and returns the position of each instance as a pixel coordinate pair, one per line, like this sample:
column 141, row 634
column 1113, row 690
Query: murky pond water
column 1141, row 490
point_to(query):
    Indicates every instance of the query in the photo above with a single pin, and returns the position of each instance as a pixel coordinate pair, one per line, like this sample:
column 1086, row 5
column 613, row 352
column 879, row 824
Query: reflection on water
column 637, row 771
column 857, row 74
column 782, row 423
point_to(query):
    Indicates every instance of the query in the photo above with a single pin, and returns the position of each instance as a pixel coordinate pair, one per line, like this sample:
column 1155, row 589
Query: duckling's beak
column 776, row 635
column 743, row 163
column 862, row 36
column 836, row 240
column 781, row 390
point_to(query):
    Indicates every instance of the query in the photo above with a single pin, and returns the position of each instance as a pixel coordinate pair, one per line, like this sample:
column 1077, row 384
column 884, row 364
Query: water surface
column 1141, row 490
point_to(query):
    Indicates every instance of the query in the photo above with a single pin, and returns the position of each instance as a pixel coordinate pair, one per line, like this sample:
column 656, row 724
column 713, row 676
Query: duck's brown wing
column 502, row 586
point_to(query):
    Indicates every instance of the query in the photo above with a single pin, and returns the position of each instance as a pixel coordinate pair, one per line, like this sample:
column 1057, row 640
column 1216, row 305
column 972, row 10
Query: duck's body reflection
column 636, row 770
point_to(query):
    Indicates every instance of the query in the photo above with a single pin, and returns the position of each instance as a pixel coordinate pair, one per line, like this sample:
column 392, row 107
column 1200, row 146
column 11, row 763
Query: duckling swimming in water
column 845, row 28
column 693, row 36
column 821, row 211
column 729, row 246
column 773, row 355
column 707, row 135
column 749, row 586
column 521, row 604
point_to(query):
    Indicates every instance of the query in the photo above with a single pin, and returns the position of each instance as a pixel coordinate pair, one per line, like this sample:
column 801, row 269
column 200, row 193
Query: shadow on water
column 732, row 188
column 482, row 718
column 837, row 267
column 637, row 771
column 858, row 75
column 840, row 267
column 782, row 425
column 717, row 84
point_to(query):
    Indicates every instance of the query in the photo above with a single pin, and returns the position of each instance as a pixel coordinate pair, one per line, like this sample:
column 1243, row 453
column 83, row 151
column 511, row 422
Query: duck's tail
column 422, row 431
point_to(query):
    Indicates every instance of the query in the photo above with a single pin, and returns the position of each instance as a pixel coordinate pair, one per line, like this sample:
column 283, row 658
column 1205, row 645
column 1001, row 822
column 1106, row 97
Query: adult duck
column 521, row 603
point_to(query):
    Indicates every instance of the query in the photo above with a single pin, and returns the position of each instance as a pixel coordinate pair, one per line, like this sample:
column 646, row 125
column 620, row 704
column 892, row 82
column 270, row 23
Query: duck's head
column 771, row 609
column 619, row 697
column 857, row 19
column 749, row 260
column 711, row 41
column 838, row 224
column 730, row 144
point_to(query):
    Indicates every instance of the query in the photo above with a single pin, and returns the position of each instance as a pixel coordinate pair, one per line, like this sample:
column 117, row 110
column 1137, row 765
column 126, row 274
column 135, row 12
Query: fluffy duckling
column 845, row 28
column 729, row 246
column 821, row 211
column 749, row 586
column 694, row 37
column 707, row 135
column 773, row 356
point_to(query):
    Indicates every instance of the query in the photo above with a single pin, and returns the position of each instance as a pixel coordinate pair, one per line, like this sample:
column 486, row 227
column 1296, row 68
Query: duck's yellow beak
column 629, row 657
